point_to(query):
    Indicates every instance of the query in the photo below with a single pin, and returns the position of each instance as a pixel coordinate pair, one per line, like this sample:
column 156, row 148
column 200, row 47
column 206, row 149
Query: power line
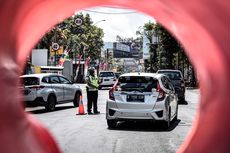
column 100, row 12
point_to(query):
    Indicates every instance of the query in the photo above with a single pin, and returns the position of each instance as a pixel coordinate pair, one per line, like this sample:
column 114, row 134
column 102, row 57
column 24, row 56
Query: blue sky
column 122, row 22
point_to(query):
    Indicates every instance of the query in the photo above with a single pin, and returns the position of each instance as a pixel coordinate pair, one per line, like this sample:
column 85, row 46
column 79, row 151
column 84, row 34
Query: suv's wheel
column 76, row 99
column 51, row 103
column 111, row 123
column 181, row 100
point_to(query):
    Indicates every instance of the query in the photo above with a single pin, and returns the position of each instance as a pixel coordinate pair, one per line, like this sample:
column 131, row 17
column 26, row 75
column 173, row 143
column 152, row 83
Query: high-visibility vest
column 94, row 81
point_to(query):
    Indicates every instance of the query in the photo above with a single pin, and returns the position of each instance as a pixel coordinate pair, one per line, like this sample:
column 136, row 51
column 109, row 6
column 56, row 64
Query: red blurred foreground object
column 81, row 110
column 202, row 26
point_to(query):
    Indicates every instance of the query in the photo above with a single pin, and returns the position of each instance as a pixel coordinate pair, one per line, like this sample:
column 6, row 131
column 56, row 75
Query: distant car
column 49, row 90
column 177, row 80
column 117, row 74
column 107, row 79
column 142, row 96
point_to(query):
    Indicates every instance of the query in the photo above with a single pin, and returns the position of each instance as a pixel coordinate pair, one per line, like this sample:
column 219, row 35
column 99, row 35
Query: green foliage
column 168, row 53
column 78, row 38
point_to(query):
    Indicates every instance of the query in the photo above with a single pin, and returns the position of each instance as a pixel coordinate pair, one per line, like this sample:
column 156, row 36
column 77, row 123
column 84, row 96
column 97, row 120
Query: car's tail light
column 112, row 90
column 111, row 93
column 38, row 87
column 161, row 95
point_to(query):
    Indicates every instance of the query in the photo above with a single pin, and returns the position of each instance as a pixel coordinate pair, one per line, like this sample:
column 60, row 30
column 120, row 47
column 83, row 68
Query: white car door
column 69, row 89
column 57, row 87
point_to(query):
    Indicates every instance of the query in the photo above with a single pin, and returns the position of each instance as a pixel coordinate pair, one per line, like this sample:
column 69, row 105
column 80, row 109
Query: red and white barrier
column 202, row 26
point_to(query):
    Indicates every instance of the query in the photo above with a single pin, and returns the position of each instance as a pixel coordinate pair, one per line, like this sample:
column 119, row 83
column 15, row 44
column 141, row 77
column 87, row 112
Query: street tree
column 77, row 34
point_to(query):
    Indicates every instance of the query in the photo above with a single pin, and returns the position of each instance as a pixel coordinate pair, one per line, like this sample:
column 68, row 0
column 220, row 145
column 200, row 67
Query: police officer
column 92, row 91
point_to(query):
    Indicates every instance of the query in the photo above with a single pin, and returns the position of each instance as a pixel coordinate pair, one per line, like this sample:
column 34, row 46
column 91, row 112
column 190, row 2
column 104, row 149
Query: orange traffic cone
column 81, row 107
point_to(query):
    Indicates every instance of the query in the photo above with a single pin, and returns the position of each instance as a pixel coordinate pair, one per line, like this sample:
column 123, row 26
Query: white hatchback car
column 49, row 90
column 142, row 96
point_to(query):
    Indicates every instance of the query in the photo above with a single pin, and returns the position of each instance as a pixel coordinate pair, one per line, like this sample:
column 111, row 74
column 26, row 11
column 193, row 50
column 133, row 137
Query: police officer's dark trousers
column 92, row 100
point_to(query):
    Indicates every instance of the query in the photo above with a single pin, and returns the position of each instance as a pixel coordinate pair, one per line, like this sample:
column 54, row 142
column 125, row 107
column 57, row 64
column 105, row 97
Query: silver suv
column 48, row 90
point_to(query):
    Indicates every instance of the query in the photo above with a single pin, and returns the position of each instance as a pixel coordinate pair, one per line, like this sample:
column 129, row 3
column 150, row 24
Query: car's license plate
column 135, row 98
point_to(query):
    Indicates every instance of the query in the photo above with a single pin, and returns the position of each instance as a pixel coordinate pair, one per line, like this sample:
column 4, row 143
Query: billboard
column 121, row 50
column 126, row 50
column 39, row 57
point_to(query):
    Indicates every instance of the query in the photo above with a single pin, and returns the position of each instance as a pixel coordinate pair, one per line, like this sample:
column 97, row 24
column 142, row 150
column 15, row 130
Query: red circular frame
column 201, row 25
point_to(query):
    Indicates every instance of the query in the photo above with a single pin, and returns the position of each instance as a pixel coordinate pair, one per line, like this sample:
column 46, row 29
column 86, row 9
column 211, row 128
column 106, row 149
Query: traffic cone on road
column 81, row 110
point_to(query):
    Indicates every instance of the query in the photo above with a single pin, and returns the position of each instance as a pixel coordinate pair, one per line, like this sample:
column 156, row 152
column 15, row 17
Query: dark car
column 117, row 74
column 177, row 80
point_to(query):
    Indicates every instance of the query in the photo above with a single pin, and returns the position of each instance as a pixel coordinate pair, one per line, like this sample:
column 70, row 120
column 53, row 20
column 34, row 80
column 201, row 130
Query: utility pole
column 107, row 58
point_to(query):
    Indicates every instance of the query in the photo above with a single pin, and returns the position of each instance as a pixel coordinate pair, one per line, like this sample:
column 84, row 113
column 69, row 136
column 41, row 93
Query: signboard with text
column 58, row 52
column 126, row 50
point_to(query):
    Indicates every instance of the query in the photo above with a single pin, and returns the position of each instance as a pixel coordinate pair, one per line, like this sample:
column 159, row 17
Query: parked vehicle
column 177, row 80
column 48, row 90
column 142, row 96
column 107, row 79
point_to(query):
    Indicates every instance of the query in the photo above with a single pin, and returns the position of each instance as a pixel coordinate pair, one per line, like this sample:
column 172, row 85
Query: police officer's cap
column 91, row 69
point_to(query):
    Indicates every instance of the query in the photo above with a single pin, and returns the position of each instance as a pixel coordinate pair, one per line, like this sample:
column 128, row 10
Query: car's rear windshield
column 28, row 81
column 106, row 74
column 137, row 83
column 173, row 75
column 117, row 74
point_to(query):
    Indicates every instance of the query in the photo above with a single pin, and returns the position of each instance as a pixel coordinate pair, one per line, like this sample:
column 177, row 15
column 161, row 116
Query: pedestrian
column 92, row 91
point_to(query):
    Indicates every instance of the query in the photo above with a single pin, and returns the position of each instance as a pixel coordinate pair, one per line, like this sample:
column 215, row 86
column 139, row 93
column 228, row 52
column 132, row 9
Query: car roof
column 154, row 75
column 40, row 75
column 172, row 70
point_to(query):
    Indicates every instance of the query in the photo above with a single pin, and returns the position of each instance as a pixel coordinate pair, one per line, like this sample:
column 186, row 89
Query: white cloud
column 122, row 22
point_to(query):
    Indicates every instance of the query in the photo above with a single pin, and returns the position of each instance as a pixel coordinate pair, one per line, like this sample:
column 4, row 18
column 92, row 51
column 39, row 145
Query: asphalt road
column 89, row 133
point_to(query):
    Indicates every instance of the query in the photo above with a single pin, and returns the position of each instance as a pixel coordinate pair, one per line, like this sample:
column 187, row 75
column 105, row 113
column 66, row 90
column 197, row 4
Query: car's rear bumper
column 157, row 113
column 106, row 85
column 39, row 101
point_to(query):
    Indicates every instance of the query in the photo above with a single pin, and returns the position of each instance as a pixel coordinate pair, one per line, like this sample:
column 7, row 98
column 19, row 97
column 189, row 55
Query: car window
column 137, row 83
column 45, row 79
column 54, row 79
column 106, row 74
column 170, row 84
column 28, row 81
column 64, row 80
column 173, row 75
column 166, row 83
